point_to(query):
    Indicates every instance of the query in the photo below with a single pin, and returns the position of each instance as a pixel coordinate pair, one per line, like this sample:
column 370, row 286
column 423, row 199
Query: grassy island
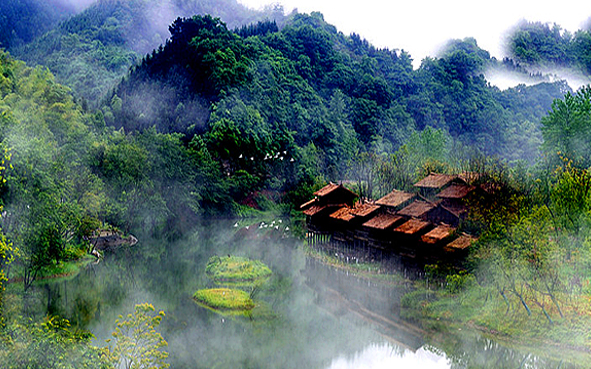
column 236, row 269
column 224, row 299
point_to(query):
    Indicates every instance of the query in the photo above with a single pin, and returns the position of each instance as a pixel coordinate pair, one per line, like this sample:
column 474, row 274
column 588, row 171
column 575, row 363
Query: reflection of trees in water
column 472, row 351
column 304, row 334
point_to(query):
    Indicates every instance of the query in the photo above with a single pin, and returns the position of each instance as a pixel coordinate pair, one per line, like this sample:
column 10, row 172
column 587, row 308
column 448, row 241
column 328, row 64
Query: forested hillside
column 147, row 117
column 90, row 51
column 21, row 21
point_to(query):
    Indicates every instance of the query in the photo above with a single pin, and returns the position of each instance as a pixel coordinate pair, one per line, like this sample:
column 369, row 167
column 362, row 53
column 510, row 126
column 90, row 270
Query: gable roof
column 315, row 209
column 416, row 209
column 413, row 226
column 435, row 180
column 395, row 198
column 383, row 221
column 306, row 205
column 343, row 214
column 364, row 210
column 332, row 187
column 460, row 243
column 437, row 234
column 456, row 191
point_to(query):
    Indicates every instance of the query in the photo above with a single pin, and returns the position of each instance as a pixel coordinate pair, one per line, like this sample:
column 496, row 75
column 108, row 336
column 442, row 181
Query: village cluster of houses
column 421, row 225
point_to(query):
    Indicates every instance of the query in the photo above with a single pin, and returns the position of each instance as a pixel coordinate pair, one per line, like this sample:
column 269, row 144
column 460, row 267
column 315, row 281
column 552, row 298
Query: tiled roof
column 437, row 234
column 383, row 221
column 343, row 214
column 329, row 188
column 435, row 180
column 364, row 210
column 413, row 226
column 460, row 243
column 416, row 209
column 395, row 198
column 456, row 191
column 314, row 209
column 306, row 205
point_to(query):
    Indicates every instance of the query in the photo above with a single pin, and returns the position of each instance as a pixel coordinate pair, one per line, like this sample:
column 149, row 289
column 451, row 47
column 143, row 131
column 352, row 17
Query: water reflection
column 382, row 356
column 322, row 317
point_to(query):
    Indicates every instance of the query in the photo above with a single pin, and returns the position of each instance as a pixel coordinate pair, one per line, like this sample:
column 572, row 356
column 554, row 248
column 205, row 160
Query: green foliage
column 225, row 299
column 566, row 128
column 456, row 283
column 236, row 269
column 24, row 20
column 136, row 344
column 48, row 344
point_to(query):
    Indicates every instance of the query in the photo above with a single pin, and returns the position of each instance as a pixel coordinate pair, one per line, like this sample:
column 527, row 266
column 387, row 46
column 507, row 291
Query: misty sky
column 422, row 26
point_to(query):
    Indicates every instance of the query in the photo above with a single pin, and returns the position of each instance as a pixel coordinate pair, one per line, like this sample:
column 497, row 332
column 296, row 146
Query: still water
column 310, row 316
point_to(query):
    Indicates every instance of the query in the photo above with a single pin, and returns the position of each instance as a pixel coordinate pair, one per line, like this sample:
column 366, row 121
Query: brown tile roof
column 314, row 209
column 413, row 226
column 416, row 209
column 456, row 210
column 343, row 214
column 437, row 234
column 364, row 210
column 460, row 243
column 306, row 205
column 329, row 188
column 456, row 191
column 383, row 221
column 435, row 180
column 395, row 198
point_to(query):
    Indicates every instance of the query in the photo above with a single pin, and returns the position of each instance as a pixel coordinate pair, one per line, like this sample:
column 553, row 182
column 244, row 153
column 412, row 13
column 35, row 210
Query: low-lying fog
column 314, row 315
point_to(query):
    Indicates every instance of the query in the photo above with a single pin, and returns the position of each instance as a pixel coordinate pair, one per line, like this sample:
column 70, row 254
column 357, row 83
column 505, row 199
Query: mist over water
column 378, row 356
column 309, row 315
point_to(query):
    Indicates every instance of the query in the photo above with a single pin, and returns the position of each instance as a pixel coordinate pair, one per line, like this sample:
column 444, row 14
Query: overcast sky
column 422, row 26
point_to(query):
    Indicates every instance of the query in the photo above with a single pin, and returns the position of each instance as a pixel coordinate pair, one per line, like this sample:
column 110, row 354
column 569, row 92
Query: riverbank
column 506, row 321
column 477, row 312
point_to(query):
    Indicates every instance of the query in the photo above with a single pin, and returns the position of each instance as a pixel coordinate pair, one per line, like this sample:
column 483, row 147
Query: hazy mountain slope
column 21, row 21
column 310, row 82
column 93, row 49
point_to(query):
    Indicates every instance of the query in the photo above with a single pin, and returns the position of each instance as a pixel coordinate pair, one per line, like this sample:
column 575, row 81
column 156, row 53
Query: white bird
column 287, row 228
column 240, row 157
column 280, row 221
column 281, row 158
column 235, row 224
column 292, row 160
column 252, row 158
column 247, row 227
column 285, row 153
column 276, row 227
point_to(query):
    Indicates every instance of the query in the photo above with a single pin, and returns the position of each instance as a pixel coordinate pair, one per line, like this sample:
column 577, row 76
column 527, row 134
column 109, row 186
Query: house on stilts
column 421, row 225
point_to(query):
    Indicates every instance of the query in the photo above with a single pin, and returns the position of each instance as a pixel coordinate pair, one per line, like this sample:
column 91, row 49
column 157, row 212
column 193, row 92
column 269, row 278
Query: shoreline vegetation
column 442, row 314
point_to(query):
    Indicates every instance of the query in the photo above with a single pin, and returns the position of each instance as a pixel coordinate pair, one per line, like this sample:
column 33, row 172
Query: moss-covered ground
column 236, row 269
column 224, row 299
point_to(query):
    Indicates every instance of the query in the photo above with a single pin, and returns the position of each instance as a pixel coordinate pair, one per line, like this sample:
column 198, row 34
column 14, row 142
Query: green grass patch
column 236, row 269
column 486, row 311
column 224, row 299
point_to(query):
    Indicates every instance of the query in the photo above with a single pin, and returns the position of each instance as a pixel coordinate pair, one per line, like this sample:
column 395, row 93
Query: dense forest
column 112, row 119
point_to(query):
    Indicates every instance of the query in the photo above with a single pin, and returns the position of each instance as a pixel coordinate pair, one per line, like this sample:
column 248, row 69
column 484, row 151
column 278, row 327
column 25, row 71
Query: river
column 314, row 315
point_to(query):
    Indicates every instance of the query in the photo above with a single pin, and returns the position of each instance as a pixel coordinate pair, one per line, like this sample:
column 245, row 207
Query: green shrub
column 235, row 268
column 224, row 299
